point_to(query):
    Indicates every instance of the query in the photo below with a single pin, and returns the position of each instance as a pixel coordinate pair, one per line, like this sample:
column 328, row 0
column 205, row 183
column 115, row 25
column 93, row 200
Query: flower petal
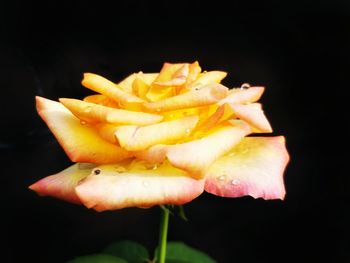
column 254, row 167
column 80, row 142
column 252, row 114
column 242, row 96
column 159, row 91
column 177, row 79
column 93, row 113
column 141, row 187
column 207, row 78
column 209, row 94
column 195, row 156
column 101, row 100
column 111, row 90
column 62, row 185
column 140, row 88
column 134, row 138
column 126, row 84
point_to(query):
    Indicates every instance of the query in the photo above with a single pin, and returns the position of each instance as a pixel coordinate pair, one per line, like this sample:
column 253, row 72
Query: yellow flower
column 162, row 139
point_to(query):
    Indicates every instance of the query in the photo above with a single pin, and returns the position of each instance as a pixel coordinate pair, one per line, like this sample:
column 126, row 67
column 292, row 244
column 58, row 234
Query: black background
column 299, row 51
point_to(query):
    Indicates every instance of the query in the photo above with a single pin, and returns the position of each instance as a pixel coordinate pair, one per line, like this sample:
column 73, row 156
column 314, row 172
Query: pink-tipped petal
column 254, row 167
column 242, row 96
column 138, row 186
column 62, row 185
column 252, row 114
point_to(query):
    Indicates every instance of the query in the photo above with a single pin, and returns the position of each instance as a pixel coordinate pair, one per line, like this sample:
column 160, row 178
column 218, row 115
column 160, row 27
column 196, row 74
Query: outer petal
column 62, row 185
column 254, row 167
column 139, row 187
column 91, row 112
column 209, row 94
column 242, row 96
column 134, row 138
column 80, row 142
column 252, row 114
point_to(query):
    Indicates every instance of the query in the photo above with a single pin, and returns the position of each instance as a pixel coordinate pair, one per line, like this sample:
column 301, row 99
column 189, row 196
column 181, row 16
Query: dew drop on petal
column 157, row 110
column 83, row 122
column 235, row 182
column 188, row 130
column 155, row 167
column 245, row 86
column 221, row 177
column 96, row 171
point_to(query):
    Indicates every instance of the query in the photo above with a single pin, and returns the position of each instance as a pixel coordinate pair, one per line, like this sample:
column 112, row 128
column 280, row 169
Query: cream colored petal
column 138, row 187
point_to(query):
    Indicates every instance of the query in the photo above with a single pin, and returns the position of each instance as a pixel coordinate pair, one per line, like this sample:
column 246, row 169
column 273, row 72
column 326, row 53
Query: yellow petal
column 138, row 186
column 194, row 72
column 195, row 156
column 62, row 185
column 177, row 79
column 242, row 96
column 254, row 167
column 140, row 88
column 252, row 114
column 101, row 100
column 126, row 84
column 159, row 91
column 80, row 142
column 206, row 78
column 134, row 138
column 111, row 90
column 93, row 113
column 206, row 95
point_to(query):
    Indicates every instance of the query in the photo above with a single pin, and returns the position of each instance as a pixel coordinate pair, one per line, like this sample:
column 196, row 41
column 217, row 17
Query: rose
column 163, row 138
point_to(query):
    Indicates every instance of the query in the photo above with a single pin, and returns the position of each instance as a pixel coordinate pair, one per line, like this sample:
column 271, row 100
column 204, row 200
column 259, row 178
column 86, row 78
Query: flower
column 163, row 139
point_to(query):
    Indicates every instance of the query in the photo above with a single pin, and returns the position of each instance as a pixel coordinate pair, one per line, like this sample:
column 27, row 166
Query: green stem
column 164, row 223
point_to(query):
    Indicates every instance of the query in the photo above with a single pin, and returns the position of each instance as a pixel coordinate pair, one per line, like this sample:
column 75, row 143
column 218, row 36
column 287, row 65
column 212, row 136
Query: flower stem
column 164, row 223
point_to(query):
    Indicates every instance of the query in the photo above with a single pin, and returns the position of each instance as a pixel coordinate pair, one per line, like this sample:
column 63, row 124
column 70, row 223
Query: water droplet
column 245, row 86
column 87, row 109
column 145, row 183
column 83, row 122
column 221, row 177
column 96, row 171
column 157, row 110
column 235, row 182
column 155, row 167
column 188, row 130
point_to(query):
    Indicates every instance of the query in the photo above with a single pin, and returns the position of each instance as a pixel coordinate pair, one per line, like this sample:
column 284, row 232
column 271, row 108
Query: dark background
column 300, row 52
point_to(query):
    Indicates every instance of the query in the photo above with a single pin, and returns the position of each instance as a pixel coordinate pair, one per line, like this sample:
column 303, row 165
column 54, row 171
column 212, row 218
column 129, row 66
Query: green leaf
column 179, row 252
column 131, row 251
column 97, row 258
